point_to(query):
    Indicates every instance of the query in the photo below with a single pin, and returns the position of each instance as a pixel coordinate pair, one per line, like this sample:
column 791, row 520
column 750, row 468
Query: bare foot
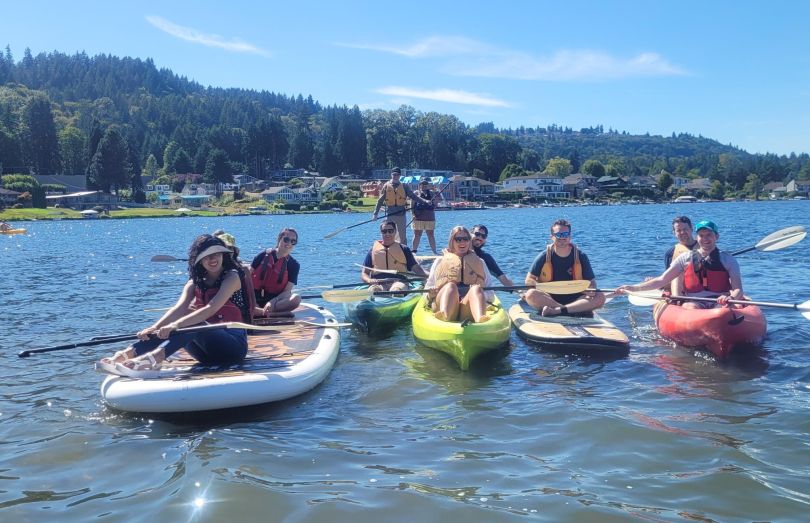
column 483, row 319
column 550, row 311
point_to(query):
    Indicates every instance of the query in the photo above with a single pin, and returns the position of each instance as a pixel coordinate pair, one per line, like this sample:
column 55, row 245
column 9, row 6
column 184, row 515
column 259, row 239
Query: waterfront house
column 8, row 197
column 83, row 200
column 800, row 187
column 536, row 186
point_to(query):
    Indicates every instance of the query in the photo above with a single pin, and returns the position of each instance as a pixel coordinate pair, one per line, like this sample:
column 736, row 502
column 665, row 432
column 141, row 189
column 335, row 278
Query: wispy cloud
column 198, row 37
column 468, row 57
column 444, row 95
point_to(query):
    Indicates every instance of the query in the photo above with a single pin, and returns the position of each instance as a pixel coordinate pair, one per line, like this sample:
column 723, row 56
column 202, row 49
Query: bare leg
column 431, row 240
column 476, row 304
column 446, row 306
column 286, row 301
column 417, row 235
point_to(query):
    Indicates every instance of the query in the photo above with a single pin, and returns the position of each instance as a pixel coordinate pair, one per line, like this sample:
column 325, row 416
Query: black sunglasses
column 461, row 238
column 287, row 239
column 388, row 231
column 479, row 234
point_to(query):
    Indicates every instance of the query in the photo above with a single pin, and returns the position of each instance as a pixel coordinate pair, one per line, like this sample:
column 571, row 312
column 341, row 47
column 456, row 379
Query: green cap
column 706, row 224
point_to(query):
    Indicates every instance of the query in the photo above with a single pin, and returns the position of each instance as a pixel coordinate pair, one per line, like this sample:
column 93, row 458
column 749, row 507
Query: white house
column 537, row 185
column 283, row 193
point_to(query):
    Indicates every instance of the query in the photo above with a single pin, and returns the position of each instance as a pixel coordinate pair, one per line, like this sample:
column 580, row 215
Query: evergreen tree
column 72, row 145
column 42, row 142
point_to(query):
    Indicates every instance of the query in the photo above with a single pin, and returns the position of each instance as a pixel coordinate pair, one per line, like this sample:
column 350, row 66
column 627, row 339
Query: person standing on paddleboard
column 394, row 195
column 213, row 293
column 562, row 261
column 275, row 274
column 707, row 272
column 479, row 239
column 389, row 255
column 424, row 216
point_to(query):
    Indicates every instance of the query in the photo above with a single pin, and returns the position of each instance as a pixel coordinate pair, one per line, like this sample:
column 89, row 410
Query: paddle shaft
column 544, row 287
column 335, row 233
column 791, row 306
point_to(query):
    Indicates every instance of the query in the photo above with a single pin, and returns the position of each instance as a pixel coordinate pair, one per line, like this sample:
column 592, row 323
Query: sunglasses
column 388, row 231
column 478, row 234
column 460, row 239
column 561, row 235
column 287, row 239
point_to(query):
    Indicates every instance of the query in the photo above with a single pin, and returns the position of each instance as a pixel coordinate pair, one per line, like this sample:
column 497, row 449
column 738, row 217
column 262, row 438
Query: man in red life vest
column 707, row 272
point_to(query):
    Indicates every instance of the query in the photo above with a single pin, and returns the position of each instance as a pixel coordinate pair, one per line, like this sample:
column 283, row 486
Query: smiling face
column 286, row 242
column 212, row 263
column 707, row 240
column 479, row 238
column 561, row 235
column 388, row 232
column 683, row 232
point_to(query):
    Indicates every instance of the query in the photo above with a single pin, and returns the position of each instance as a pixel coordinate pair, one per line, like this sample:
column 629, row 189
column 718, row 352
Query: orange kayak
column 719, row 330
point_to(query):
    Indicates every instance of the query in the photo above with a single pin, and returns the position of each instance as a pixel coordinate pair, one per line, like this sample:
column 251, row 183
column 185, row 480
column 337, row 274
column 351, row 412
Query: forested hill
column 115, row 118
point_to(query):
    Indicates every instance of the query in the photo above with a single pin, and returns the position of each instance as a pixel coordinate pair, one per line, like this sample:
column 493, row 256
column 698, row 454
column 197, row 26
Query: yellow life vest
column 680, row 249
column 394, row 197
column 391, row 257
column 469, row 269
column 547, row 273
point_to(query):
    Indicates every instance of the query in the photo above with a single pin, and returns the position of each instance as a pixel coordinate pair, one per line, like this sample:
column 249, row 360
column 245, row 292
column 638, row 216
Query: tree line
column 117, row 119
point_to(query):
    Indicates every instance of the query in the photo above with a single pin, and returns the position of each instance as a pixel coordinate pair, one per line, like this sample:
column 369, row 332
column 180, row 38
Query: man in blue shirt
column 480, row 233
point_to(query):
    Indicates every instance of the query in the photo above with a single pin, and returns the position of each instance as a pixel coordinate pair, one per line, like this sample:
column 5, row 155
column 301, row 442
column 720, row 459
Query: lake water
column 397, row 432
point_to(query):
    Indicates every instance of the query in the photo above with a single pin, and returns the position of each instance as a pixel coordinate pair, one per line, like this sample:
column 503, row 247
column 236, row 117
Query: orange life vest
column 394, row 196
column 706, row 274
column 547, row 273
column 391, row 257
column 469, row 269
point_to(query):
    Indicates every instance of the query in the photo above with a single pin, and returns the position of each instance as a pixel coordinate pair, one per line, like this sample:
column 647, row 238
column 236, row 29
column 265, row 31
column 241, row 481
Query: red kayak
column 719, row 330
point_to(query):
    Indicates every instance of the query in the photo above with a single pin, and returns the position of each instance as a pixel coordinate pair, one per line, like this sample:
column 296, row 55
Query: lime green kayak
column 380, row 315
column 463, row 342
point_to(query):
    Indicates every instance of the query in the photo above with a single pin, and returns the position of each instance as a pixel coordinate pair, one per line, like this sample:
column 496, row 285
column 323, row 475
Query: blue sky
column 738, row 72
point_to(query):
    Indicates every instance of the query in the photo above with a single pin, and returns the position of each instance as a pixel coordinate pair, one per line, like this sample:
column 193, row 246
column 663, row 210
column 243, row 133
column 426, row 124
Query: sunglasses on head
column 461, row 238
column 479, row 234
column 388, row 231
column 287, row 239
column 563, row 234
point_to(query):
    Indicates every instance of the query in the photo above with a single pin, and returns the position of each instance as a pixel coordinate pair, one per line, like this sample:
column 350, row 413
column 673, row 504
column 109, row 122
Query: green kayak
column 463, row 342
column 380, row 315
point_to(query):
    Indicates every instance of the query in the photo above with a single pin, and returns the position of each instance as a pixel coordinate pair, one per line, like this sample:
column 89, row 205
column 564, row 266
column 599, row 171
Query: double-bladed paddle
column 103, row 340
column 803, row 308
column 338, row 231
column 554, row 287
column 166, row 258
column 775, row 241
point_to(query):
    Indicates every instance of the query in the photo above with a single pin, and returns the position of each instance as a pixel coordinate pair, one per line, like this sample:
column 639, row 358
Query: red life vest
column 706, row 274
column 227, row 313
column 271, row 276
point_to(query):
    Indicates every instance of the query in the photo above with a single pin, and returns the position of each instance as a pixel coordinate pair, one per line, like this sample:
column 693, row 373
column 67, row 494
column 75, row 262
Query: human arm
column 230, row 284
column 178, row 310
column 735, row 280
column 504, row 279
column 411, row 262
column 670, row 274
column 415, row 197
column 533, row 276
column 380, row 201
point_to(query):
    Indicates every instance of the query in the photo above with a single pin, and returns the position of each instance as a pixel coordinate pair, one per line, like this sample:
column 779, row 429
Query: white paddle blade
column 781, row 239
column 805, row 309
column 346, row 296
column 644, row 298
column 563, row 287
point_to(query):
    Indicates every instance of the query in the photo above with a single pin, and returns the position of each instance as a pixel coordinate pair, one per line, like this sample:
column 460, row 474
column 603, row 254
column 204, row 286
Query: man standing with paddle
column 394, row 195
column 707, row 272
column 562, row 261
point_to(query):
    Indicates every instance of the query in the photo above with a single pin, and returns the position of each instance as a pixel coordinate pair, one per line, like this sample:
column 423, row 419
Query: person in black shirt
column 480, row 233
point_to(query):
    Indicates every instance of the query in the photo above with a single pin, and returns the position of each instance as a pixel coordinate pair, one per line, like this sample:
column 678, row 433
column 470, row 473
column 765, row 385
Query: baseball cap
column 706, row 224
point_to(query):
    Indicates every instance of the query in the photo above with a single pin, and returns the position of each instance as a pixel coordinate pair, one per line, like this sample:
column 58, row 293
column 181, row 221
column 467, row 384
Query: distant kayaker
column 388, row 254
column 424, row 215
column 213, row 294
column 394, row 195
column 562, row 261
column 5, row 226
column 707, row 272
column 457, row 279
column 275, row 274
column 682, row 229
column 479, row 239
